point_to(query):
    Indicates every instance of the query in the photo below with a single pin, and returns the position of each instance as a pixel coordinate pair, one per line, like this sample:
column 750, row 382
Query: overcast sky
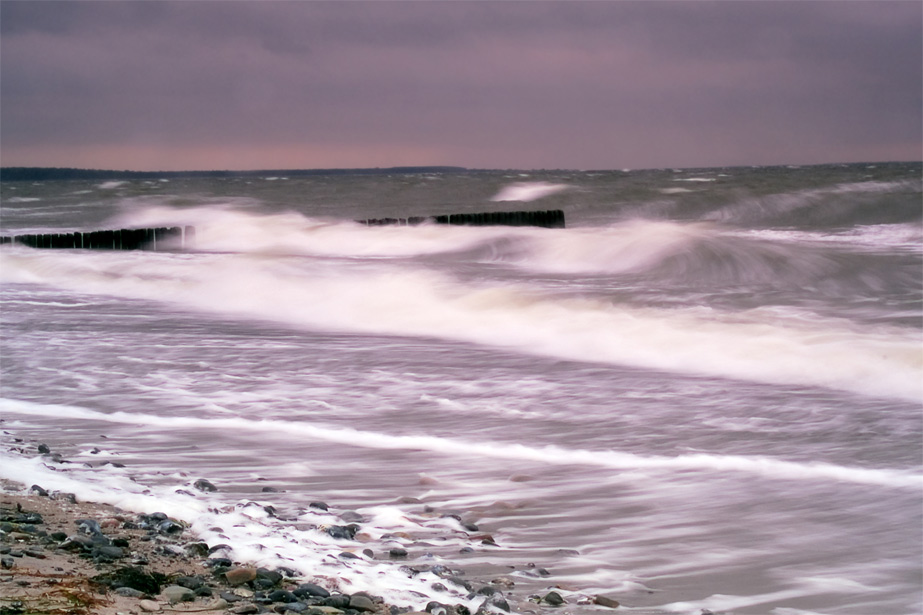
column 577, row 85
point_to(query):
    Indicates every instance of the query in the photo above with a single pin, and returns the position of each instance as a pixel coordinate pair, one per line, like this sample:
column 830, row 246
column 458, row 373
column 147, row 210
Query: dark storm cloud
column 549, row 84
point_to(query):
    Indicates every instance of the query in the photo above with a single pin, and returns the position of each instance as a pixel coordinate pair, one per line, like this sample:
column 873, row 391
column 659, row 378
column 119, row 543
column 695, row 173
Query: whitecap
column 528, row 191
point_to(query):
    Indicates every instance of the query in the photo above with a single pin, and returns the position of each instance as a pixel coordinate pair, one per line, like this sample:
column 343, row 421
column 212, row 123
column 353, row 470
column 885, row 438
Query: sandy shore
column 64, row 556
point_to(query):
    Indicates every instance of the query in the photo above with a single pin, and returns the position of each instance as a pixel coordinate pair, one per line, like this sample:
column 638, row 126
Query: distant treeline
column 12, row 174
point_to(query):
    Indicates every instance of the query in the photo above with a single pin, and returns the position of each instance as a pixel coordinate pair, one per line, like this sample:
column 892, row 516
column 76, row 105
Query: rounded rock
column 361, row 603
column 310, row 589
column 177, row 593
column 239, row 576
column 553, row 598
column 204, row 485
column 606, row 602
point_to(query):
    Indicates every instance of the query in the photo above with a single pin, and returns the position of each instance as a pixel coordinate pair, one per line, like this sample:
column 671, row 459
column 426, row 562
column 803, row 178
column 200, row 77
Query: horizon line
column 415, row 168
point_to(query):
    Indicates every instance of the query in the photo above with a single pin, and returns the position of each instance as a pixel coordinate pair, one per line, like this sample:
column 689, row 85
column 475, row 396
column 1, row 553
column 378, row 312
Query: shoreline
column 62, row 555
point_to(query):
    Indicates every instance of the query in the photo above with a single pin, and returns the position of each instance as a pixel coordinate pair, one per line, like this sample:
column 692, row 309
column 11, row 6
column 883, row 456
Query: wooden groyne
column 166, row 238
column 553, row 218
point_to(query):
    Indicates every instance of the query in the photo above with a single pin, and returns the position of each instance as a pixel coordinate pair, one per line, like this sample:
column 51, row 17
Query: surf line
column 552, row 455
column 152, row 239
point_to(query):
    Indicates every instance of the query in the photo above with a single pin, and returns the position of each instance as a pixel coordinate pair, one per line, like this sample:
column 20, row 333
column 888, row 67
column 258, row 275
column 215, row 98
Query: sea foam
column 528, row 191
column 416, row 302
column 544, row 455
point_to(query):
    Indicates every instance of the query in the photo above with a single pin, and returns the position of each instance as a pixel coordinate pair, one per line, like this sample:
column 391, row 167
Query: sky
column 270, row 84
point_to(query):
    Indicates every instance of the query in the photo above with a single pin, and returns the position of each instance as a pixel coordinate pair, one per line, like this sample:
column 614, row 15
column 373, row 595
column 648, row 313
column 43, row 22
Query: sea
column 702, row 395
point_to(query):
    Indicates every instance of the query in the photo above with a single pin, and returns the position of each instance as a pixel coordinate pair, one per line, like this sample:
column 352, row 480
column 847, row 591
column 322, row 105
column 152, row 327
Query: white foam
column 908, row 237
column 766, row 467
column 253, row 536
column 111, row 184
column 22, row 199
column 408, row 301
column 528, row 191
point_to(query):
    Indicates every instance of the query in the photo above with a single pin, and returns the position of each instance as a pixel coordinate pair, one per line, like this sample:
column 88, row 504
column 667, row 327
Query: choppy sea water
column 704, row 393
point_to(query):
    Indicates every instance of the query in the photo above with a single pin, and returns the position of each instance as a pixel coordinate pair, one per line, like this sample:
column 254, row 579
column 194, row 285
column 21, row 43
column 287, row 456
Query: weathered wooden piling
column 553, row 218
column 154, row 239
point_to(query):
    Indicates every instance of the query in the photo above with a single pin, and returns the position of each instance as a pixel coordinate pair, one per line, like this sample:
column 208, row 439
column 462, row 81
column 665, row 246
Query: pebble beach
column 64, row 555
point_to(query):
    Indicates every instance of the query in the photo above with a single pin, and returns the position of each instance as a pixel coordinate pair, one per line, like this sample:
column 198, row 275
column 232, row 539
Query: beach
column 64, row 556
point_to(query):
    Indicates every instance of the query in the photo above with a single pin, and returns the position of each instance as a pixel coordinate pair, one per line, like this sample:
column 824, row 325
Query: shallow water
column 703, row 394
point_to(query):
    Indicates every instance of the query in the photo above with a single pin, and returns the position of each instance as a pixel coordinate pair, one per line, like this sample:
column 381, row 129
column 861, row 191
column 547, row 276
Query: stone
column 43, row 449
column 38, row 491
column 553, row 598
column 271, row 576
column 108, row 553
column 129, row 592
column 295, row 607
column 197, row 549
column 7, row 562
column 436, row 608
column 88, row 526
column 204, row 485
column 338, row 601
column 606, row 602
column 192, row 583
column 229, row 597
column 280, row 595
column 359, row 602
column 245, row 609
column 343, row 532
column 135, row 578
column 318, row 505
column 310, row 589
column 149, row 606
column 177, row 593
column 498, row 601
column 397, row 552
column 239, row 576
column 168, row 526
column 327, row 610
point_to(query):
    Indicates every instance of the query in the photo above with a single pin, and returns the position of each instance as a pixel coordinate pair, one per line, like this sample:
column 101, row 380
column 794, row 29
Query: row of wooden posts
column 166, row 238
column 553, row 218
column 182, row 237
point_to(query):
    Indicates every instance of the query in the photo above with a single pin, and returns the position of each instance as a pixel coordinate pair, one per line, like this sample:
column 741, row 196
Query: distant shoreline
column 52, row 173
column 13, row 174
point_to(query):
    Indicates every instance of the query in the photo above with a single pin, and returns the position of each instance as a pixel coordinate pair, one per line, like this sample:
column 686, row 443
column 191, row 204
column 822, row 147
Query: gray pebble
column 361, row 603
column 177, row 593
column 553, row 598
column 204, row 485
